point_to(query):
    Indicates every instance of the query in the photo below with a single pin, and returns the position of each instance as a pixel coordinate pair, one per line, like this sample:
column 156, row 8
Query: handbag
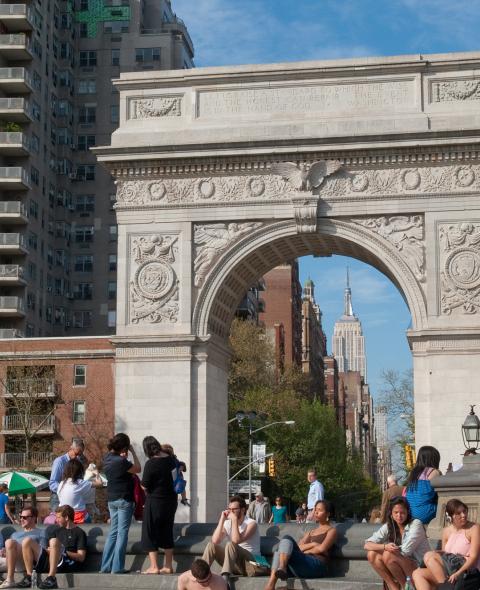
column 138, row 498
column 259, row 567
column 469, row 581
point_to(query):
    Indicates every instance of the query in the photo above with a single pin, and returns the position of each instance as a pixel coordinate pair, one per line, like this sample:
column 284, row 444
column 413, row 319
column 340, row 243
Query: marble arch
column 224, row 172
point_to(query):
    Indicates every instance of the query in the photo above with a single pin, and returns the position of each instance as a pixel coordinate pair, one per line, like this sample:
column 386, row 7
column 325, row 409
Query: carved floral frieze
column 460, row 267
column 406, row 233
column 153, row 284
column 156, row 107
column 456, row 90
column 344, row 184
column 211, row 240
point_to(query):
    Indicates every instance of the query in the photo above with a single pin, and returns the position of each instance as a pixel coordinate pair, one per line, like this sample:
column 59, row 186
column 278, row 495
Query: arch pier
column 223, row 173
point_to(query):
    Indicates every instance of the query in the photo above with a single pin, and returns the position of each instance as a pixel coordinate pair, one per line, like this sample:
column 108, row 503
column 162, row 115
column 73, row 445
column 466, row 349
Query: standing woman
column 159, row 474
column 119, row 471
column 421, row 495
column 279, row 512
column 398, row 547
column 460, row 550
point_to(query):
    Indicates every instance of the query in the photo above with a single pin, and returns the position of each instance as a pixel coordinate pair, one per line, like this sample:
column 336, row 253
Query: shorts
column 452, row 562
column 65, row 564
column 41, row 565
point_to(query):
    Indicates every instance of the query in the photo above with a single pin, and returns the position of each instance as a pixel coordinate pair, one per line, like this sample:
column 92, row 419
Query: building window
column 83, row 4
column 88, row 59
column 87, row 114
column 32, row 240
column 112, row 318
column 34, row 175
column 84, row 233
column 119, row 26
column 82, row 319
column 147, row 54
column 78, row 412
column 113, row 233
column 80, row 375
column 112, row 262
column 85, row 203
column 83, row 30
column 115, row 57
column 33, row 209
column 87, row 86
column 83, row 291
column 84, row 142
column 112, row 290
column 114, row 113
column 84, row 263
column 86, row 172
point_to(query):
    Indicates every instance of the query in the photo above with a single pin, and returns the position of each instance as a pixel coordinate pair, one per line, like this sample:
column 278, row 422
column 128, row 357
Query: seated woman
column 398, row 547
column 308, row 558
column 421, row 495
column 460, row 550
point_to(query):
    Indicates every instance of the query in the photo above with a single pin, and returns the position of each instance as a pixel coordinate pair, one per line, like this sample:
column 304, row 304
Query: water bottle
column 34, row 579
column 408, row 584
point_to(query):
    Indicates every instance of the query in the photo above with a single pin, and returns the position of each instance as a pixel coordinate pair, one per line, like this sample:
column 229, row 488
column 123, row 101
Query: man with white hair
column 393, row 490
column 259, row 509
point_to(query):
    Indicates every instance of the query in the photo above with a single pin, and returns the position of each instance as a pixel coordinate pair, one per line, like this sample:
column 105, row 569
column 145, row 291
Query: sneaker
column 49, row 582
column 8, row 584
column 26, row 582
column 281, row 575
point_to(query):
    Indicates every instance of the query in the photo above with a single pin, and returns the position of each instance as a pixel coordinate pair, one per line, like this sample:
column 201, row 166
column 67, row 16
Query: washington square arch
column 224, row 173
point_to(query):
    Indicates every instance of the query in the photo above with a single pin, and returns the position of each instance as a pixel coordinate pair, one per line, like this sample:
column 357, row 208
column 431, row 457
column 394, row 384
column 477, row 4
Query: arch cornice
column 389, row 262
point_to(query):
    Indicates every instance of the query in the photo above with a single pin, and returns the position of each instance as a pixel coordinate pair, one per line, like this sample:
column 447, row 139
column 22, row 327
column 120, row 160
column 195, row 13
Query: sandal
column 282, row 575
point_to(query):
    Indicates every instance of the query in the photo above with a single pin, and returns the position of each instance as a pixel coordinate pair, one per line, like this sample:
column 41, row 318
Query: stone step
column 143, row 582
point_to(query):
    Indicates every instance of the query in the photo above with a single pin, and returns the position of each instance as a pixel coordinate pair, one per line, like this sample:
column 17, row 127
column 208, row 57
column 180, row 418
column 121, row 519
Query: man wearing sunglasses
column 201, row 578
column 13, row 548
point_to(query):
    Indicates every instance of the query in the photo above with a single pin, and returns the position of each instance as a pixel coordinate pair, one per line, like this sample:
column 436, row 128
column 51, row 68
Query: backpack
column 469, row 581
column 179, row 484
column 138, row 498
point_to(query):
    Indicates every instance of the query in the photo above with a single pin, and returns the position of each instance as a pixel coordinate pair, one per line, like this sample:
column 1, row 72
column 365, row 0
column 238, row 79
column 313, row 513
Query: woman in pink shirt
column 460, row 552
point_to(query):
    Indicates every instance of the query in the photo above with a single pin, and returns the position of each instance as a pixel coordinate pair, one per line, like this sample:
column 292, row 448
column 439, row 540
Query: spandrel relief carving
column 456, row 90
column 460, row 267
column 154, row 283
column 406, row 233
column 211, row 240
column 156, row 107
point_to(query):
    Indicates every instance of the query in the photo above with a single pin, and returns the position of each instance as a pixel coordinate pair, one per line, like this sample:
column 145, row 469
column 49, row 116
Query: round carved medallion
column 206, row 189
column 157, row 191
column 464, row 176
column 154, row 279
column 410, row 179
column 462, row 267
column 359, row 182
column 256, row 186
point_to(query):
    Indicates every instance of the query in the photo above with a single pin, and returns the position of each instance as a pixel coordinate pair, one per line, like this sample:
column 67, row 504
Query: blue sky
column 228, row 32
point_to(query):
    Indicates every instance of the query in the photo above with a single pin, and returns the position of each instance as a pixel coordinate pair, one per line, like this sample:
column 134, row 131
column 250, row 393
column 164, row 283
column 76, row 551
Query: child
column 180, row 484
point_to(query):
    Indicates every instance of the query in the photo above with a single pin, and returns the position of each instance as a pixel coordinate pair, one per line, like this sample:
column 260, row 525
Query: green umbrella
column 23, row 482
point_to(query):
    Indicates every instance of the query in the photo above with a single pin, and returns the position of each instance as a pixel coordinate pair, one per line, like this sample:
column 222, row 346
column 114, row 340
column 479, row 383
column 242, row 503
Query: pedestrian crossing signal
column 271, row 467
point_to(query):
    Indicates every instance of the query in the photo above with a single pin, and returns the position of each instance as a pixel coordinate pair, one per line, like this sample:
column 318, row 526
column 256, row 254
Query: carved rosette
column 154, row 284
column 406, row 234
column 211, row 240
column 460, row 267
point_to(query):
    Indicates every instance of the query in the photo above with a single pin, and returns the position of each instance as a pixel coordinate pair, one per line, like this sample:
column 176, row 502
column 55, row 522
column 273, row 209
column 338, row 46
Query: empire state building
column 348, row 339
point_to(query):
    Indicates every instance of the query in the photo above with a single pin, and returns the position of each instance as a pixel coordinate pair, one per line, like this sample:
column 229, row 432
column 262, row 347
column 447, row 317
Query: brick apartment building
column 64, row 388
column 282, row 312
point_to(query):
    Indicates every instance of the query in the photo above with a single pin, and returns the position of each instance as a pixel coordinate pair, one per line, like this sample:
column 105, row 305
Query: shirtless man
column 201, row 578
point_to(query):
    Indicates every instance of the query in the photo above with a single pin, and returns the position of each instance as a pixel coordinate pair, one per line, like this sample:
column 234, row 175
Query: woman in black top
column 119, row 471
column 160, row 506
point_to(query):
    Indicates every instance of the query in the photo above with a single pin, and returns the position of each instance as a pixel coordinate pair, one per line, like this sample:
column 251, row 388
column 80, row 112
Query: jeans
column 113, row 559
column 299, row 564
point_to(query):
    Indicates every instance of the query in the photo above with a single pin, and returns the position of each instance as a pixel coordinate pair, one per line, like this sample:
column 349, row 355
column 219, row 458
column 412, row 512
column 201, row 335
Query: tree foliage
column 315, row 440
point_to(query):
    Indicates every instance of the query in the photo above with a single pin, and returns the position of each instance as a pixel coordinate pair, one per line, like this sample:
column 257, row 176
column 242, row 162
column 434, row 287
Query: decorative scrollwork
column 154, row 287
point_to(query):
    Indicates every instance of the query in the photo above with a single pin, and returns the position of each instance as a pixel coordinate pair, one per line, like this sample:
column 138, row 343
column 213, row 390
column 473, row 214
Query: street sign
column 258, row 456
column 240, row 486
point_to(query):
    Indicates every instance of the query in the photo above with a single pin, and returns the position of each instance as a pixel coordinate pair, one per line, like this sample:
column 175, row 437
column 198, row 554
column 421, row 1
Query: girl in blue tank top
column 421, row 495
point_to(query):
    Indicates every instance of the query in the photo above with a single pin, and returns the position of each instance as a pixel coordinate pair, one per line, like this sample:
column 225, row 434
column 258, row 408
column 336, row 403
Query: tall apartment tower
column 348, row 340
column 58, row 253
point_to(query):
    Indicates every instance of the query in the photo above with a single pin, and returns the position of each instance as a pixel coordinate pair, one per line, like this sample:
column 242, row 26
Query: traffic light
column 271, row 467
column 409, row 456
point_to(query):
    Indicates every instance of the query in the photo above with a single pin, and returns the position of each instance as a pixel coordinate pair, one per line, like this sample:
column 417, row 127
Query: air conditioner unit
column 72, row 176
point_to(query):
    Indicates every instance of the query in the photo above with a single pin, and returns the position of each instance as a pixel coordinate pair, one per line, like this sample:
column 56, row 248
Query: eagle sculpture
column 303, row 178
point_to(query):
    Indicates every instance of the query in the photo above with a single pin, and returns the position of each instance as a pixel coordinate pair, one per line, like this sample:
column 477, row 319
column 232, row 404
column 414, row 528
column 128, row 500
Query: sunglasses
column 25, row 516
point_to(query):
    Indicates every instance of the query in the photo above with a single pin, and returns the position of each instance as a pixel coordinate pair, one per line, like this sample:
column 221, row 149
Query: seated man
column 200, row 578
column 66, row 551
column 13, row 548
column 243, row 540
